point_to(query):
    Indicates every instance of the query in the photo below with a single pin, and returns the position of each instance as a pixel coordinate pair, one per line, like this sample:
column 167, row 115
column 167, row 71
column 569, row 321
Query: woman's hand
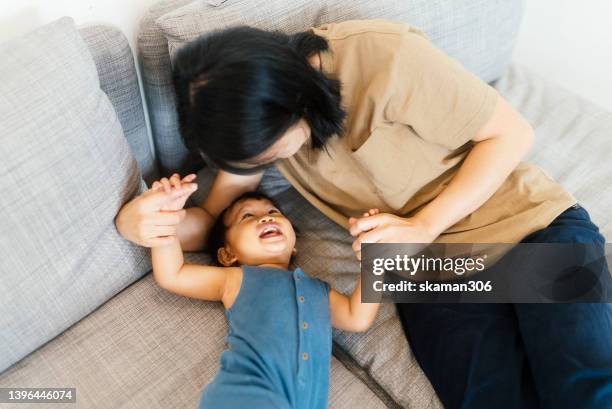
column 148, row 220
column 376, row 227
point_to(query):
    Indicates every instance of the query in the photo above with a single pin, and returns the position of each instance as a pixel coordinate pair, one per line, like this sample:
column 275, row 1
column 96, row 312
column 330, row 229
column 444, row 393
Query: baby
column 280, row 320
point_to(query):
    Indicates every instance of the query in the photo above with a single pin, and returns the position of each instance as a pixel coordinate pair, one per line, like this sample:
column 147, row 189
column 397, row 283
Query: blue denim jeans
column 518, row 355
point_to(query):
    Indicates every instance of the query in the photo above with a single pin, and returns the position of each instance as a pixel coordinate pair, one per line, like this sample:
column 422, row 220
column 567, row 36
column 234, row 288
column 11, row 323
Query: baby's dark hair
column 216, row 238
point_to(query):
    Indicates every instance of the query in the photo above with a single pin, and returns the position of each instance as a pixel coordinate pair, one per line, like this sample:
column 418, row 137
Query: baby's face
column 258, row 233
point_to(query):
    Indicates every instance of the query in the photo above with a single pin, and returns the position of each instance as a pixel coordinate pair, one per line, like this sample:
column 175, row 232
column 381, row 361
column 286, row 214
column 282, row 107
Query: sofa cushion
column 479, row 33
column 117, row 73
column 66, row 169
column 149, row 348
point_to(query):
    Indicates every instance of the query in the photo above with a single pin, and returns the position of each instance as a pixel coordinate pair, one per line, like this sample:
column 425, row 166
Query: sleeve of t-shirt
column 434, row 94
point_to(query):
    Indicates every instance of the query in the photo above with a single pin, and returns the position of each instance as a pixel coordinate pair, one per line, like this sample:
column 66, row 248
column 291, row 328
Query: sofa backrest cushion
column 65, row 171
column 479, row 33
column 118, row 79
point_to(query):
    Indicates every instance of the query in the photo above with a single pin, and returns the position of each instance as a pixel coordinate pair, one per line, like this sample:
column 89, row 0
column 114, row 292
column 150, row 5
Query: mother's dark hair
column 240, row 89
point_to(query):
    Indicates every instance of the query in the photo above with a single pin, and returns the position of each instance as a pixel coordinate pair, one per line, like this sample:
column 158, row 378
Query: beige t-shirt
column 412, row 111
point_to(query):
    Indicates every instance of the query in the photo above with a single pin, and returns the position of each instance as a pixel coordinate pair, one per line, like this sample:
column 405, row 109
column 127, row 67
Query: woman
column 369, row 114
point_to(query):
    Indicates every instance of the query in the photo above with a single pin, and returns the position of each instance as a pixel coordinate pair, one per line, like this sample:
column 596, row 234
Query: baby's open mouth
column 270, row 231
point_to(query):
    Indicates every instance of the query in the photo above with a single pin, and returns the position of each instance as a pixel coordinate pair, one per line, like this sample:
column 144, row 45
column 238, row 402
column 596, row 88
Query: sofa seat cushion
column 149, row 348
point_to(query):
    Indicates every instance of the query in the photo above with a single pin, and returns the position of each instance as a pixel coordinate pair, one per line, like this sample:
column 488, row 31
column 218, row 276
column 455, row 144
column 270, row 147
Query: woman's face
column 285, row 147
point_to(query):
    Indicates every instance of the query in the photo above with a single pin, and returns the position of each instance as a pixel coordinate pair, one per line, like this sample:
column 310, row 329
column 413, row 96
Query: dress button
column 301, row 298
column 305, row 325
column 305, row 356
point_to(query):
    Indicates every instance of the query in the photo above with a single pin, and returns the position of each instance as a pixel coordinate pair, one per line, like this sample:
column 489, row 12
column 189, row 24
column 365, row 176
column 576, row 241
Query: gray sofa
column 98, row 322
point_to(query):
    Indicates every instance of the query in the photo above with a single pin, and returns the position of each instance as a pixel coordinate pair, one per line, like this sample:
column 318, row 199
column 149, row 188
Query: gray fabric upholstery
column 65, row 171
column 148, row 348
column 159, row 95
column 117, row 73
column 479, row 33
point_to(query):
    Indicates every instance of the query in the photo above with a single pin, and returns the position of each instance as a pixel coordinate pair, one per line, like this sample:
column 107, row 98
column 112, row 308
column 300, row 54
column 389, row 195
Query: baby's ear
column 225, row 257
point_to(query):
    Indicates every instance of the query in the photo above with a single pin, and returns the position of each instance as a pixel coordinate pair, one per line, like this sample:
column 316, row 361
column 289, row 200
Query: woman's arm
column 193, row 228
column 226, row 187
column 500, row 145
column 447, row 105
column 349, row 313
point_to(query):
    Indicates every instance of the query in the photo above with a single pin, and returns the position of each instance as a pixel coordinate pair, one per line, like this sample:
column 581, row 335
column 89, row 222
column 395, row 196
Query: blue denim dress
column 279, row 344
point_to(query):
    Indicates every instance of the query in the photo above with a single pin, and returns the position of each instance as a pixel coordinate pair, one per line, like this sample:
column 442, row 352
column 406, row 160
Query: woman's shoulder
column 366, row 52
column 349, row 28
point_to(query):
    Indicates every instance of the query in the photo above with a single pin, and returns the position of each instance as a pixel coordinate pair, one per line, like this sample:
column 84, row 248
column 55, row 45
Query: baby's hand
column 173, row 184
column 370, row 212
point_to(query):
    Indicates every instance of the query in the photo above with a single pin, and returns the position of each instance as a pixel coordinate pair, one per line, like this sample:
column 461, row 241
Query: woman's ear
column 294, row 251
column 226, row 257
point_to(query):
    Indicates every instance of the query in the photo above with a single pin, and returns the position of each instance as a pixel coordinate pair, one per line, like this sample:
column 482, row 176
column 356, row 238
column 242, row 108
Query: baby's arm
column 169, row 268
column 189, row 280
column 349, row 313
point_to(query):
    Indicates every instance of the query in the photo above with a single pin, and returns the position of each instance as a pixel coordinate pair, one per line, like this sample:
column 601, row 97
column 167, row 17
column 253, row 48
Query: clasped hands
column 376, row 227
column 152, row 218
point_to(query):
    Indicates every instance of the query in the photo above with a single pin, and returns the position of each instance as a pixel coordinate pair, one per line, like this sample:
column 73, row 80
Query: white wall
column 567, row 41
column 570, row 42
column 20, row 16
